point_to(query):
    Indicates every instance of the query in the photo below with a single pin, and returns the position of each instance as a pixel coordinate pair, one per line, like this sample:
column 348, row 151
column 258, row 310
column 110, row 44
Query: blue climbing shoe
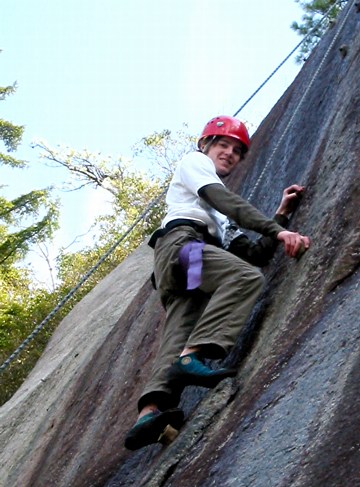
column 157, row 426
column 189, row 370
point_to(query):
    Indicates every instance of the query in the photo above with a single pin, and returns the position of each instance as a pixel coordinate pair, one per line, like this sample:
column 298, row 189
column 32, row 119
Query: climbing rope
column 317, row 24
column 231, row 229
column 281, row 138
column 141, row 217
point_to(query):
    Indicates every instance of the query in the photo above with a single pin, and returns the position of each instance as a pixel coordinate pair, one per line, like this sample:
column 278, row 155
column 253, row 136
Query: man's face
column 225, row 154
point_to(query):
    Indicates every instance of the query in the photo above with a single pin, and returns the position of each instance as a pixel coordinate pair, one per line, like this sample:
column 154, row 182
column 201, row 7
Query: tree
column 20, row 225
column 314, row 11
column 10, row 134
column 131, row 193
column 24, row 220
column 131, row 190
column 14, row 214
column 22, row 307
column 164, row 149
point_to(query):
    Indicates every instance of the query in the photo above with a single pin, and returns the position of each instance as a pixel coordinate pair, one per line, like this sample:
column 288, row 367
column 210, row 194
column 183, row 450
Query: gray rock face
column 290, row 417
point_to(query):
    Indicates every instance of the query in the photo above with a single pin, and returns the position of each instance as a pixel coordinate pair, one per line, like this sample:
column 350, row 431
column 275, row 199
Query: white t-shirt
column 193, row 172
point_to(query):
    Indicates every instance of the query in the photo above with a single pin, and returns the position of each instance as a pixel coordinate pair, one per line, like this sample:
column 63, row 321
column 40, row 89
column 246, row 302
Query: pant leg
column 234, row 286
column 182, row 313
column 183, row 310
column 192, row 319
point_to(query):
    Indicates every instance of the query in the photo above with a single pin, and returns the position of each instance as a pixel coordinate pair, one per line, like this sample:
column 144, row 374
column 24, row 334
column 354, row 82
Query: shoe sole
column 179, row 378
column 162, row 428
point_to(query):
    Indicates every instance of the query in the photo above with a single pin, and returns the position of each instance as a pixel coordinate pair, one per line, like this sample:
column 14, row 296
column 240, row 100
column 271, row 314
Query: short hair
column 210, row 140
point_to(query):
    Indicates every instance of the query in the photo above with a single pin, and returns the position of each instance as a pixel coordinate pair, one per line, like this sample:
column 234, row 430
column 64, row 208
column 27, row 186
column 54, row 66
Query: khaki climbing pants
column 210, row 317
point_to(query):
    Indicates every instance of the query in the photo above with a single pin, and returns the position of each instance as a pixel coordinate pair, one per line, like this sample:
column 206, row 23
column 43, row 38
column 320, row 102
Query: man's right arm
column 236, row 208
column 247, row 216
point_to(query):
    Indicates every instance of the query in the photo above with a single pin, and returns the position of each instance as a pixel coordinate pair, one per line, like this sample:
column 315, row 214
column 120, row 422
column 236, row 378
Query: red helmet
column 227, row 126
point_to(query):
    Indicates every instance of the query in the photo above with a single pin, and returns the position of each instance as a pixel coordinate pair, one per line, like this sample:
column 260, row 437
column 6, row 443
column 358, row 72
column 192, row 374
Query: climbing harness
column 229, row 231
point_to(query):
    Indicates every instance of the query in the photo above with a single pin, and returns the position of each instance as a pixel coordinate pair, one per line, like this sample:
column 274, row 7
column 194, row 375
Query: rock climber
column 206, row 290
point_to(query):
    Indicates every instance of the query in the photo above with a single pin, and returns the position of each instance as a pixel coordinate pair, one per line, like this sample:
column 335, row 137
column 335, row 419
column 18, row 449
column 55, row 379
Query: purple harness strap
column 190, row 258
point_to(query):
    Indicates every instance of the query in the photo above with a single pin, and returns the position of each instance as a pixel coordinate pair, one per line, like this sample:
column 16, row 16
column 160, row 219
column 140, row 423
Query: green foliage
column 314, row 10
column 7, row 90
column 21, row 309
column 10, row 134
column 24, row 220
column 18, row 230
column 17, row 234
column 11, row 161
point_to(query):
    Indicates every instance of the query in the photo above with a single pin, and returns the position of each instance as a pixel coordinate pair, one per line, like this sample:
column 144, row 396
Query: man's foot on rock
column 154, row 427
column 190, row 370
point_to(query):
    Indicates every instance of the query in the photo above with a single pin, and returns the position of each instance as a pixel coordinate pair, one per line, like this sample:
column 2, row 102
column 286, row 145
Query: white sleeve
column 198, row 170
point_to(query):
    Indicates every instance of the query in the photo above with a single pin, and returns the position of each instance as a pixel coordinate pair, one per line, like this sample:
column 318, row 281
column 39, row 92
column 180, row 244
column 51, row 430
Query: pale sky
column 102, row 74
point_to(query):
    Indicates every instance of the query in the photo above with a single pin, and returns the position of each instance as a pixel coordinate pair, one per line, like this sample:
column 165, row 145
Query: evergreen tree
column 27, row 218
column 314, row 11
column 24, row 220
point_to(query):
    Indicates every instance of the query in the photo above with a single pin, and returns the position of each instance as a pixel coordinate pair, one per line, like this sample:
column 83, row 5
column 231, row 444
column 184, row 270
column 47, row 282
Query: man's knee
column 252, row 277
column 259, row 279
